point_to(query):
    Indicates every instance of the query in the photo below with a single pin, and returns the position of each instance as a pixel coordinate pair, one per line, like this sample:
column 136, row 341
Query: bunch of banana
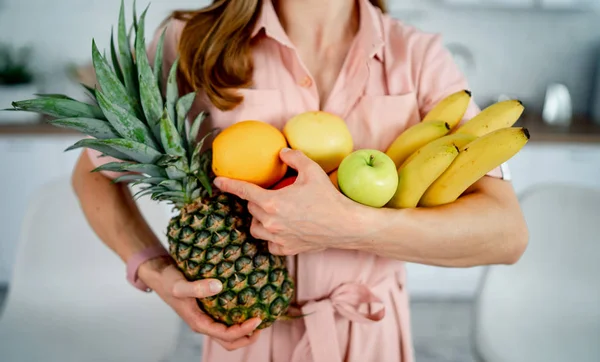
column 439, row 158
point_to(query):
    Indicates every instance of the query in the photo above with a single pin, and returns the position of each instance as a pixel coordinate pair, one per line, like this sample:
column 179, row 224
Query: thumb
column 197, row 289
column 296, row 159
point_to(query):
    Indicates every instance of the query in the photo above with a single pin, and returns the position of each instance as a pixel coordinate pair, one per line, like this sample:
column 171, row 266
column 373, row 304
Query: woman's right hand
column 163, row 277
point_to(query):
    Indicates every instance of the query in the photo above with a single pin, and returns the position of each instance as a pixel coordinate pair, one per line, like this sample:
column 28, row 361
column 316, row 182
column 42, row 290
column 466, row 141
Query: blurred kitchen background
column 543, row 52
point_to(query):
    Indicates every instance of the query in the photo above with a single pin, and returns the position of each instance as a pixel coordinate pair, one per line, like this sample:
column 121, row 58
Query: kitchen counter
column 581, row 130
column 33, row 129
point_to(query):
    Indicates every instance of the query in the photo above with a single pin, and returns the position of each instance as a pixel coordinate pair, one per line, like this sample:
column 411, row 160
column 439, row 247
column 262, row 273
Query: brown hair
column 215, row 48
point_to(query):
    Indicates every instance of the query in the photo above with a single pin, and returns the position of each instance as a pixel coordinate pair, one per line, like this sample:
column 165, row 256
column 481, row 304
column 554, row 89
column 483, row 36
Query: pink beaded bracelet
column 138, row 259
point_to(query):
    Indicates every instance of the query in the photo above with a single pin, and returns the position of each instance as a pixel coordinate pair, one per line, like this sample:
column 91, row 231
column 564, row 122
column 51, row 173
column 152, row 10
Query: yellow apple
column 322, row 136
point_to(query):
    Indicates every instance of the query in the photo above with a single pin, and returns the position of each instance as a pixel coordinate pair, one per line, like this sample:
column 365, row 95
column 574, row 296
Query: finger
column 259, row 231
column 257, row 211
column 218, row 330
column 197, row 289
column 297, row 160
column 276, row 249
column 239, row 343
column 245, row 190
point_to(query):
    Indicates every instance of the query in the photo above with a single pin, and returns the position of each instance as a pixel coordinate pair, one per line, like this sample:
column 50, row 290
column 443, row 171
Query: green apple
column 368, row 177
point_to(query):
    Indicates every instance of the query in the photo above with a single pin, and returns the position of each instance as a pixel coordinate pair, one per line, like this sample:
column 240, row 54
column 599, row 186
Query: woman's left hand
column 308, row 215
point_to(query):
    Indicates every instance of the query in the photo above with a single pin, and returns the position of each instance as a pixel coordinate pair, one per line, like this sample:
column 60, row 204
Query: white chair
column 69, row 300
column 546, row 308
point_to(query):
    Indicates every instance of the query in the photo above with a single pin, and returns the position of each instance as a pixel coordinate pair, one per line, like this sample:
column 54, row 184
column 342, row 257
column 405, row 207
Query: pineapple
column 131, row 120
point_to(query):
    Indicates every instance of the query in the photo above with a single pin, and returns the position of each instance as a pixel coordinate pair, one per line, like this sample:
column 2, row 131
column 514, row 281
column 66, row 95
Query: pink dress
column 356, row 302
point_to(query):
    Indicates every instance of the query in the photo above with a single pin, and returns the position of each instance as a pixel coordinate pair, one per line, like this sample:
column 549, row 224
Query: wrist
column 150, row 270
column 148, row 259
column 359, row 224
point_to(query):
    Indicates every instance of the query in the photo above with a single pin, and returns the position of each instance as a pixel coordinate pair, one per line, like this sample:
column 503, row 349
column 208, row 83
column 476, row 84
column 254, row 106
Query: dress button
column 306, row 82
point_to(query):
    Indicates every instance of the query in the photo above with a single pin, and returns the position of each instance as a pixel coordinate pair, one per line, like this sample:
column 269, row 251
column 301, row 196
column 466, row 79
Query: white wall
column 521, row 52
column 515, row 52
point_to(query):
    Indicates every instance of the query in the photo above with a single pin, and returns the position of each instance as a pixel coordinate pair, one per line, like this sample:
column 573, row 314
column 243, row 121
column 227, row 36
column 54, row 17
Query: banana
column 450, row 109
column 417, row 175
column 414, row 138
column 459, row 140
column 473, row 162
column 499, row 115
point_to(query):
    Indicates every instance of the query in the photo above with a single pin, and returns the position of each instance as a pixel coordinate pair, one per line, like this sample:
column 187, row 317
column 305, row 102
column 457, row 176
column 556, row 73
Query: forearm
column 481, row 228
column 111, row 211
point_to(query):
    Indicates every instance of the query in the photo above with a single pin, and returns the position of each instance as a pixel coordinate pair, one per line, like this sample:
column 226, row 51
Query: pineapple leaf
column 129, row 71
column 135, row 24
column 98, row 145
column 158, row 60
column 91, row 91
column 131, row 34
column 89, row 126
column 167, row 160
column 175, row 172
column 172, row 195
column 59, row 107
column 205, row 162
column 151, row 181
column 151, row 170
column 53, row 95
column 149, row 190
column 170, row 138
column 205, row 182
column 191, row 184
column 183, row 106
column 111, row 86
column 126, row 124
column 113, row 167
column 138, row 151
column 196, row 161
column 129, row 178
column 152, row 101
column 172, row 90
column 195, row 129
column 115, row 57
column 132, row 150
column 172, row 185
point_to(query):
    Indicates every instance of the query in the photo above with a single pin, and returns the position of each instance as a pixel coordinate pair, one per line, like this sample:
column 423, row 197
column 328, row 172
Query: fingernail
column 217, row 181
column 257, row 324
column 286, row 149
column 215, row 286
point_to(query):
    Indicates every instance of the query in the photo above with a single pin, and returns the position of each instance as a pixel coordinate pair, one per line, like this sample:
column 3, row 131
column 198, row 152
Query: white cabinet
column 569, row 4
column 546, row 162
column 566, row 5
column 26, row 162
column 536, row 164
column 493, row 3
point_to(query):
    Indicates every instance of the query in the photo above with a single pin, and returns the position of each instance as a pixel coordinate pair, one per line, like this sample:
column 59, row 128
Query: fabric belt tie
column 355, row 302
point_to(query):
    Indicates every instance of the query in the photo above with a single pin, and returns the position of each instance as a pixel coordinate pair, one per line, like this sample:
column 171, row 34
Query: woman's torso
column 391, row 77
column 374, row 113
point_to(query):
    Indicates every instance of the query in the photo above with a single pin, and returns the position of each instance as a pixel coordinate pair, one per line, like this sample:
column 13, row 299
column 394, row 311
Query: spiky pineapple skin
column 210, row 238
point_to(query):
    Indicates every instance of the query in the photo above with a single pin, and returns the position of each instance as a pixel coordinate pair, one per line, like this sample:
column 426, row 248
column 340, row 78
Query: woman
column 285, row 57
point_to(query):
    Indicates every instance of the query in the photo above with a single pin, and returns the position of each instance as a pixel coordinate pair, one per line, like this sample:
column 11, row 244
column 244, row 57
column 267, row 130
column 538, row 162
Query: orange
column 333, row 178
column 249, row 151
